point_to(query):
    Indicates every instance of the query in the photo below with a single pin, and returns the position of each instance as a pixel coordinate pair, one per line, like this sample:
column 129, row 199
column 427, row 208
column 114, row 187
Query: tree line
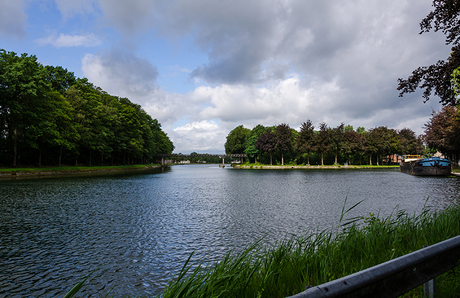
column 50, row 117
column 343, row 144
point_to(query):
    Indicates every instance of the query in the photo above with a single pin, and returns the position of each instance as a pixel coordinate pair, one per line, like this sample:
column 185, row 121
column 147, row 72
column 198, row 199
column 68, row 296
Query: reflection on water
column 140, row 229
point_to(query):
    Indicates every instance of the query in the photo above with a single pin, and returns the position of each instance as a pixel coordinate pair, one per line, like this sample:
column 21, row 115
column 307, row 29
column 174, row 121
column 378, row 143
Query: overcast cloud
column 245, row 62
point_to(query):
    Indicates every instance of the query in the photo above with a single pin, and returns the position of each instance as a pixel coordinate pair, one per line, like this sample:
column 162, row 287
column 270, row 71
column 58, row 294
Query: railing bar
column 429, row 262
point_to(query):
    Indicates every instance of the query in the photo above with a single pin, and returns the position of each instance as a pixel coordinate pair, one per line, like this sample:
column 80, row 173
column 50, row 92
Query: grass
column 301, row 166
column 312, row 259
column 69, row 168
column 291, row 265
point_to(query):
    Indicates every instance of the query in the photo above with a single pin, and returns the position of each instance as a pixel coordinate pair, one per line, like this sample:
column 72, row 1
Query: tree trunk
column 282, row 158
column 271, row 163
column 335, row 162
column 370, row 159
column 322, row 158
column 15, row 146
column 60, row 155
column 308, row 159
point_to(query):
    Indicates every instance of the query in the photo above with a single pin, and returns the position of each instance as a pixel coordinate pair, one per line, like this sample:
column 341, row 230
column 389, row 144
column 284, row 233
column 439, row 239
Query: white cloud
column 13, row 19
column 204, row 137
column 295, row 60
column 68, row 8
column 201, row 126
column 121, row 73
column 129, row 17
column 65, row 40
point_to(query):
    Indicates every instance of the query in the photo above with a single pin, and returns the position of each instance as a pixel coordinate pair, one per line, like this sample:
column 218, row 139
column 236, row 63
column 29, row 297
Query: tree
column 59, row 78
column 383, row 141
column 23, row 86
column 267, row 143
column 437, row 77
column 408, row 141
column 352, row 144
column 236, row 140
column 283, row 139
column 250, row 146
column 337, row 140
column 305, row 142
column 442, row 131
column 322, row 141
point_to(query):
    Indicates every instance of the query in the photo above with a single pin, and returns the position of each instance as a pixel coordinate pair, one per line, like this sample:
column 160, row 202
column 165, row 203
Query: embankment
column 72, row 171
column 337, row 167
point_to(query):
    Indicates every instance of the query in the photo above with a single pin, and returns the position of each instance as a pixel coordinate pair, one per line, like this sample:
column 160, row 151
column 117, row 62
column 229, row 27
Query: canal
column 140, row 229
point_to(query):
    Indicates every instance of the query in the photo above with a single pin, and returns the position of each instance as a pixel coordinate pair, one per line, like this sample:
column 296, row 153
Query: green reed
column 291, row 265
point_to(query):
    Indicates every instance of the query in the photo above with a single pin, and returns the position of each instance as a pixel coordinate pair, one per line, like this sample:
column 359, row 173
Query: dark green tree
column 23, row 87
column 250, row 145
column 408, row 141
column 437, row 78
column 322, row 141
column 443, row 130
column 383, row 142
column 284, row 139
column 305, row 142
column 236, row 140
column 267, row 143
column 352, row 145
column 336, row 140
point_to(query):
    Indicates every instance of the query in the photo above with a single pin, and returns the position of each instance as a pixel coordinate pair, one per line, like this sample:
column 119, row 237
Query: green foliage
column 236, row 140
column 327, row 145
column 46, row 112
column 315, row 258
column 442, row 131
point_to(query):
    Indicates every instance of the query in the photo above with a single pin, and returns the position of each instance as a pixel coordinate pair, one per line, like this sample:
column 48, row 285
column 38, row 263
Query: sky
column 204, row 67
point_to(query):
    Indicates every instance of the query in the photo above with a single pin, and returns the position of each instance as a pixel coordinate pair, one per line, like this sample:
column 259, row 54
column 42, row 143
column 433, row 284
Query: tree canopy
column 48, row 115
column 326, row 145
column 437, row 77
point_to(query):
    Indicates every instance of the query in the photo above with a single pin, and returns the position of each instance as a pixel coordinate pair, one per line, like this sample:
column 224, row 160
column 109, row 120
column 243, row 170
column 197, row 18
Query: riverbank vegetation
column 282, row 144
column 12, row 172
column 292, row 265
column 50, row 117
column 315, row 258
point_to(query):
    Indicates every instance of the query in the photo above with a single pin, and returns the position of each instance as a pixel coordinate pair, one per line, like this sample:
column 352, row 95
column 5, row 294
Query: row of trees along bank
column 342, row 143
column 50, row 117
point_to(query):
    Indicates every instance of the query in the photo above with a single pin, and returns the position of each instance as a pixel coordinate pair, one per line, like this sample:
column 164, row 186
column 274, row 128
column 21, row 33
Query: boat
column 432, row 166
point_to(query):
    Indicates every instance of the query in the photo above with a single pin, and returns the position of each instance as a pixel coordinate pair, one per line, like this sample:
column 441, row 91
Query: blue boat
column 432, row 166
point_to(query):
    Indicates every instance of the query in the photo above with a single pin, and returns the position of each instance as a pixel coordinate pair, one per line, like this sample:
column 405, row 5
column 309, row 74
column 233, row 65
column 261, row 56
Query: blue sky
column 204, row 67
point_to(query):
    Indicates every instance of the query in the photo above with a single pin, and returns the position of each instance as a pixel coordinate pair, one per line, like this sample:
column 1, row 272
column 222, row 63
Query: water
column 140, row 229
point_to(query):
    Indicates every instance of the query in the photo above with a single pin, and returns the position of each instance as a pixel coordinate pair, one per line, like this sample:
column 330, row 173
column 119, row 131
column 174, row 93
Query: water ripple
column 140, row 229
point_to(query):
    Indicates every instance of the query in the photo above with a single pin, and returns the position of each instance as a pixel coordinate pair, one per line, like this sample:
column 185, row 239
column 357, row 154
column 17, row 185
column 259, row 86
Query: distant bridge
column 223, row 156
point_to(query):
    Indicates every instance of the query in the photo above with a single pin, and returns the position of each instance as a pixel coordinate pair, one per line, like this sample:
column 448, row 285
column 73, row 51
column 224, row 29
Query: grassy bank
column 288, row 267
column 312, row 167
column 68, row 170
column 315, row 258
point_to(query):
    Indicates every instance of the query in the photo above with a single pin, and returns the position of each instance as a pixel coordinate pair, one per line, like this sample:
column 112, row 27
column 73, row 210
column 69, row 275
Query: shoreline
column 72, row 171
column 287, row 167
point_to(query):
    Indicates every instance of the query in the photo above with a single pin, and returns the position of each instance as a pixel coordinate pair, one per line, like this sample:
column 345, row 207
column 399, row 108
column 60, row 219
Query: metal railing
column 395, row 277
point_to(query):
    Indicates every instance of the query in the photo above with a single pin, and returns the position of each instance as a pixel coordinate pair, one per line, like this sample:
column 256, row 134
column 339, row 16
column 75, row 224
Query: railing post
column 429, row 288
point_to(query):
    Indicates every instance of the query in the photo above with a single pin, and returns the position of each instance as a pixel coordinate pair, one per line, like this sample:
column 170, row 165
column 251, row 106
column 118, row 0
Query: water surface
column 140, row 229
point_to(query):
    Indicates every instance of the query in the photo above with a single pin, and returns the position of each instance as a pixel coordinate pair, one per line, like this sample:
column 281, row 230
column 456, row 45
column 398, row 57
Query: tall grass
column 291, row 265
column 315, row 258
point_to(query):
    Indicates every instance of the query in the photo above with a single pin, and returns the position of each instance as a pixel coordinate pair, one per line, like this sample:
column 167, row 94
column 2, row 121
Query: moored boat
column 432, row 166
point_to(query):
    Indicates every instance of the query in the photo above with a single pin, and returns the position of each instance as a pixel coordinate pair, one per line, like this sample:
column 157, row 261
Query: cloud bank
column 293, row 60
